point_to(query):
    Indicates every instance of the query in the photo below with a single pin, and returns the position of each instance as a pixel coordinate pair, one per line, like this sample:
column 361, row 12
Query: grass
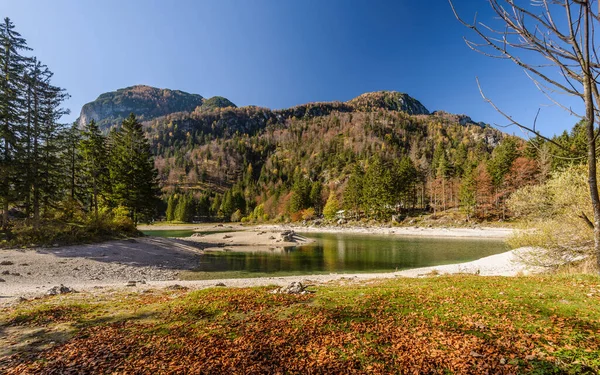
column 445, row 325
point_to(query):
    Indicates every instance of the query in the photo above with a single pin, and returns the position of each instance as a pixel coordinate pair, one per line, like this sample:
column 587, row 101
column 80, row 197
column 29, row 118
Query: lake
column 343, row 253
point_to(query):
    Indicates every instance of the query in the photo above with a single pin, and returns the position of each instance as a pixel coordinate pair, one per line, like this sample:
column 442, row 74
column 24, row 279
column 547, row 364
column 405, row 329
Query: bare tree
column 554, row 42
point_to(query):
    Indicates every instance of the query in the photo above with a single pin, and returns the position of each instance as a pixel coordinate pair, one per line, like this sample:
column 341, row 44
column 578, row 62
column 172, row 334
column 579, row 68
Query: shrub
column 236, row 216
column 331, row 207
column 308, row 214
column 555, row 209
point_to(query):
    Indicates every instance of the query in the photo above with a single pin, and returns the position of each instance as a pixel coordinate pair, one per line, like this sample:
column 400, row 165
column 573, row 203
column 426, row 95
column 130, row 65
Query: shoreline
column 410, row 231
column 153, row 262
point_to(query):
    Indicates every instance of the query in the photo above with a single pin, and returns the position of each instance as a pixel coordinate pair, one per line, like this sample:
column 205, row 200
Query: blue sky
column 278, row 54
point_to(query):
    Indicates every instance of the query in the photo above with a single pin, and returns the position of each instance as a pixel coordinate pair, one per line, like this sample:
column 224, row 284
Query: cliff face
column 144, row 101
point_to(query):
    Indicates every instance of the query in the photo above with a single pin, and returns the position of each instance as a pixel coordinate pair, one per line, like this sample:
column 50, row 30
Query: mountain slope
column 266, row 163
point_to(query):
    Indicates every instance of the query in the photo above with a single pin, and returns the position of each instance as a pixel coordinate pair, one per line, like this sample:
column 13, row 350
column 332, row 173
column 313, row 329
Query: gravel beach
column 152, row 262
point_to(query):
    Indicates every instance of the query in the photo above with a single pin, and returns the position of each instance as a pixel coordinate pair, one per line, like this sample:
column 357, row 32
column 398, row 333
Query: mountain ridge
column 149, row 103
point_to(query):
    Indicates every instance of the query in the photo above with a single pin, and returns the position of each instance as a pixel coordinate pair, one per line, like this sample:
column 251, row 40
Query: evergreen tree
column 171, row 206
column 300, row 194
column 405, row 177
column 353, row 195
column 95, row 162
column 468, row 191
column 378, row 188
column 12, row 69
column 315, row 196
column 73, row 162
column 132, row 172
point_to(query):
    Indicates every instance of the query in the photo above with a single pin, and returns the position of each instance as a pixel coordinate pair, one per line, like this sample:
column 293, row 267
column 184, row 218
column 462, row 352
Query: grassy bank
column 460, row 324
column 59, row 233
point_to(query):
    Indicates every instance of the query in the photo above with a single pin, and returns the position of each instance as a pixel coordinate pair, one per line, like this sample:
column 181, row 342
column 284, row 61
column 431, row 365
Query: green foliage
column 468, row 192
column 216, row 102
column 95, row 171
column 556, row 209
column 502, row 158
column 353, row 195
column 132, row 172
column 332, row 206
column 378, row 191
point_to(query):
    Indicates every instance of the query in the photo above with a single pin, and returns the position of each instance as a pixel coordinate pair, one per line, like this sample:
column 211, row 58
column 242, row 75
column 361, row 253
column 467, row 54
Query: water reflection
column 354, row 253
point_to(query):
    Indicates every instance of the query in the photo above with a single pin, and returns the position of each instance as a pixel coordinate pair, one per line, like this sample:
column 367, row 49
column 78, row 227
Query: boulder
column 59, row 290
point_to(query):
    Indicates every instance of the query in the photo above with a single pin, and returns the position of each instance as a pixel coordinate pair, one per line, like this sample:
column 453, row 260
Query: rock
column 16, row 274
column 502, row 361
column 6, row 263
column 271, row 238
column 2, row 280
column 226, row 236
column 59, row 290
column 475, row 354
column 131, row 240
column 131, row 283
column 529, row 357
column 7, row 272
column 145, row 101
column 220, row 284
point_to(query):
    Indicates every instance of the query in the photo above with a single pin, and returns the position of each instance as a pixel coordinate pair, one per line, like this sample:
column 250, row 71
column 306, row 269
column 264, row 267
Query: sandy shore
column 478, row 232
column 249, row 239
column 153, row 262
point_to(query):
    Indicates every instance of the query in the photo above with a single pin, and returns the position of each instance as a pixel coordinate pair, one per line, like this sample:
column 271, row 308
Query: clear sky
column 278, row 53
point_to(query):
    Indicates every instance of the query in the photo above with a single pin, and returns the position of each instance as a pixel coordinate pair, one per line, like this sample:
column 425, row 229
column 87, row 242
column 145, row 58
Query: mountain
column 146, row 103
column 266, row 163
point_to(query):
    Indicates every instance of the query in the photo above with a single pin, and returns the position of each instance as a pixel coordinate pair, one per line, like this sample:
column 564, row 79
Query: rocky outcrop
column 390, row 100
column 144, row 101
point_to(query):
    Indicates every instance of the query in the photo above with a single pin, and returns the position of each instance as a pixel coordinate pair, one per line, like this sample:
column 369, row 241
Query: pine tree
column 41, row 158
column 315, row 197
column 95, row 164
column 378, row 188
column 171, row 207
column 12, row 69
column 132, row 172
column 73, row 162
column 353, row 195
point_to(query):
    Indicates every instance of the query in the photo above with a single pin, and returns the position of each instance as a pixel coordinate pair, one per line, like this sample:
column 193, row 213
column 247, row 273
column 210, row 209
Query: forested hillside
column 380, row 155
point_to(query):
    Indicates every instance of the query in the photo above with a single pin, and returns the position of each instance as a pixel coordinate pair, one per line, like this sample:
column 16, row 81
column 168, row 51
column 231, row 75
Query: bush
column 554, row 209
column 308, row 214
column 331, row 207
column 236, row 216
column 106, row 226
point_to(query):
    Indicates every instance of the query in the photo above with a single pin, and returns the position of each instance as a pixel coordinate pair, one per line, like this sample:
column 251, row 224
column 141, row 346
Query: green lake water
column 346, row 253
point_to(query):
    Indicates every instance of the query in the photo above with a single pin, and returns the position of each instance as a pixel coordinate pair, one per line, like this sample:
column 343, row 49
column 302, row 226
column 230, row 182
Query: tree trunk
column 591, row 137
